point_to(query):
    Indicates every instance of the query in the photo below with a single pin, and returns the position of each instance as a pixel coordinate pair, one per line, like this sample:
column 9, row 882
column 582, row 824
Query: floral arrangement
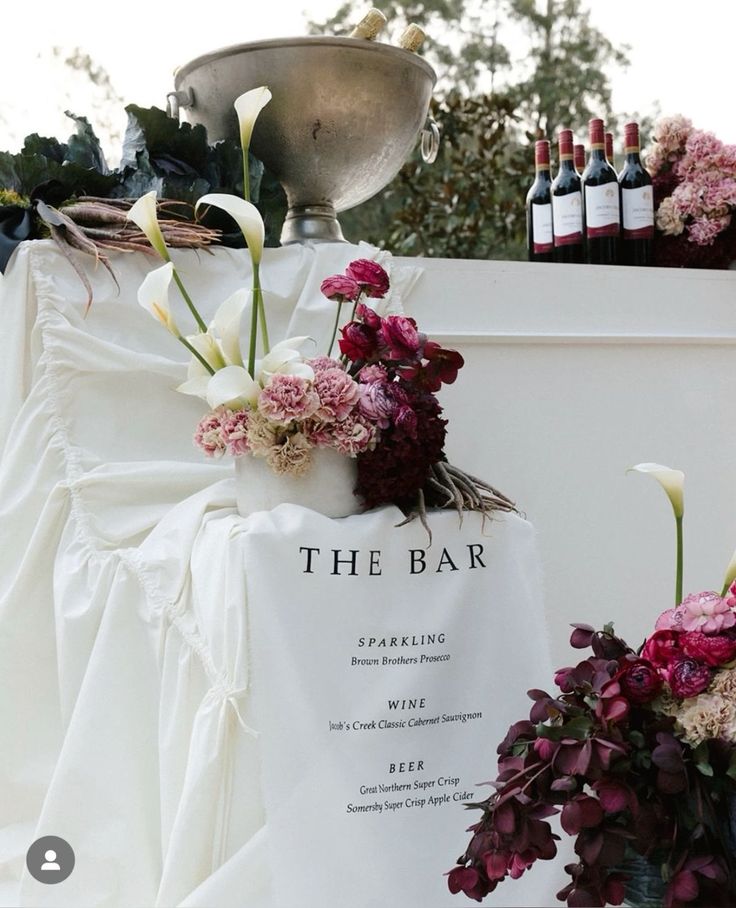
column 376, row 402
column 636, row 754
column 694, row 181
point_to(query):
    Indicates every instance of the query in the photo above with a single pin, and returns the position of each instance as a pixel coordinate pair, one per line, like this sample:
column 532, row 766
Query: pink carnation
column 208, row 434
column 672, row 132
column 234, row 430
column 353, row 435
column 373, row 373
column 320, row 363
column 287, row 397
column 706, row 612
column 703, row 231
column 338, row 394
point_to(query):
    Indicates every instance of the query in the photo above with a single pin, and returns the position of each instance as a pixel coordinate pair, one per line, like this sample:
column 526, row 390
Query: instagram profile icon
column 50, row 859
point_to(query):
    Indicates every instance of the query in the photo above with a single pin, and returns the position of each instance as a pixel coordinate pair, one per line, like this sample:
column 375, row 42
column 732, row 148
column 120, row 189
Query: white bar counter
column 573, row 374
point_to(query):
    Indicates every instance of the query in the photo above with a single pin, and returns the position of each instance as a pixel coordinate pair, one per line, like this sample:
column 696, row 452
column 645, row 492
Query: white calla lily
column 232, row 387
column 730, row 574
column 672, row 481
column 284, row 358
column 247, row 217
column 143, row 214
column 226, row 326
column 247, row 107
column 153, row 295
column 209, row 349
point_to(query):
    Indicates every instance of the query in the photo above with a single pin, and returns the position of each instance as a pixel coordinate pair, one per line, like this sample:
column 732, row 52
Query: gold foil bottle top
column 370, row 25
column 412, row 38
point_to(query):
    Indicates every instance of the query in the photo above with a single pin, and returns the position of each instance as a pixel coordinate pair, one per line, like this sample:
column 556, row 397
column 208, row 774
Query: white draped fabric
column 125, row 728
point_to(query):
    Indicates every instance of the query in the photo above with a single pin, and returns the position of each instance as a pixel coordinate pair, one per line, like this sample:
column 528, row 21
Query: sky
column 679, row 60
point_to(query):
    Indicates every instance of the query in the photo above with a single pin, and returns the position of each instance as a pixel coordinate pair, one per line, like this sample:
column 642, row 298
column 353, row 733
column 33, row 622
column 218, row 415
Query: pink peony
column 706, row 612
column 689, row 678
column 287, row 397
column 208, row 434
column 340, row 288
column 714, row 649
column 234, row 431
column 338, row 394
column 371, row 277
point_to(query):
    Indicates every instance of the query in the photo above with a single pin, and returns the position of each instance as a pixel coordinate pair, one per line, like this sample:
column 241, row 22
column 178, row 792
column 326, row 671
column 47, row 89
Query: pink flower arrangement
column 694, row 179
column 376, row 403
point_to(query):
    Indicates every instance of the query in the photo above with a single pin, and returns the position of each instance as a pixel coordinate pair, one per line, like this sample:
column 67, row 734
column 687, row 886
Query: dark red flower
column 399, row 336
column 662, row 649
column 640, row 682
column 580, row 812
column 713, row 649
column 358, row 341
column 469, row 881
column 689, row 678
column 371, row 318
column 371, row 277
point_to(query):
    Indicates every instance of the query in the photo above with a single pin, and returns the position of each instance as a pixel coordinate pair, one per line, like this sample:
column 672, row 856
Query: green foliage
column 159, row 154
column 466, row 204
column 470, row 203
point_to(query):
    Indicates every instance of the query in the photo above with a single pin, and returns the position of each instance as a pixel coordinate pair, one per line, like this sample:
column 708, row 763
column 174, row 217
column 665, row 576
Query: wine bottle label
column 602, row 215
column 638, row 212
column 567, row 217
column 542, row 228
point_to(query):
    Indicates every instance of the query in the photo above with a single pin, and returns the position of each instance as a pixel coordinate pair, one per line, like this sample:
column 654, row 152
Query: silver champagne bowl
column 345, row 115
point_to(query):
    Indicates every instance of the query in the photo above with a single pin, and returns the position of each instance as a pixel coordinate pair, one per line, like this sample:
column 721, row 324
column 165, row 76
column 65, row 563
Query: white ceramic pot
column 326, row 488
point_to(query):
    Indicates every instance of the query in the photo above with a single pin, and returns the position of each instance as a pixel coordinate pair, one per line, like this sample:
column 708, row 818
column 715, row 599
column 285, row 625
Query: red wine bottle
column 609, row 150
column 579, row 154
column 567, row 205
column 602, row 205
column 539, row 208
column 637, row 203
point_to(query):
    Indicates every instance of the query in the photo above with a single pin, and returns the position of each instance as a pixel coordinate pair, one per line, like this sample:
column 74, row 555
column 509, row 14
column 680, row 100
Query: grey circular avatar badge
column 50, row 859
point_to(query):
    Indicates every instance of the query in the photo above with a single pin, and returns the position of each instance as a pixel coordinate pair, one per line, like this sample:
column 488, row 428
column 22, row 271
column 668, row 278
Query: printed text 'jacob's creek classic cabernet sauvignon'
column 637, row 203
column 539, row 208
column 602, row 210
column 567, row 205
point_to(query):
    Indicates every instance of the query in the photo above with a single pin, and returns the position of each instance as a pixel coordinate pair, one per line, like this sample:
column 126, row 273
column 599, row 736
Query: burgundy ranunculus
column 399, row 334
column 340, row 288
column 715, row 649
column 689, row 678
column 639, row 681
column 369, row 316
column 358, row 342
column 662, row 649
column 371, row 277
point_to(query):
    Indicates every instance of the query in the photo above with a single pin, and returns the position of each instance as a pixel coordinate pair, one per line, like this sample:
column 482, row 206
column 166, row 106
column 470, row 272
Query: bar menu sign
column 385, row 671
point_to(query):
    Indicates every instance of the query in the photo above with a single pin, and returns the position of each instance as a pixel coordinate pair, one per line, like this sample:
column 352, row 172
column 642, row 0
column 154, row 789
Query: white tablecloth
column 118, row 680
